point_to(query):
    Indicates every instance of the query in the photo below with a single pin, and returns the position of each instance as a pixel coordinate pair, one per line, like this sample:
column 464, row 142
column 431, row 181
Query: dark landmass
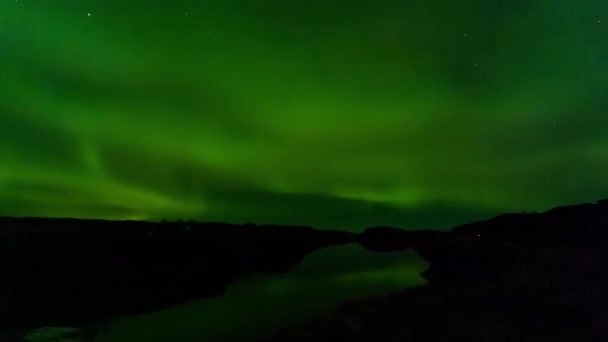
column 516, row 277
column 68, row 272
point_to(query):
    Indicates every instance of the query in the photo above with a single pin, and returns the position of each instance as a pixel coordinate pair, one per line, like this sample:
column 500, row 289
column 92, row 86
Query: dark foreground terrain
column 78, row 273
column 516, row 277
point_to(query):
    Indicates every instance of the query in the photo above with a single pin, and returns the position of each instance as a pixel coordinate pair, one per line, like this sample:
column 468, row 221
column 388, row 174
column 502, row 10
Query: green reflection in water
column 260, row 305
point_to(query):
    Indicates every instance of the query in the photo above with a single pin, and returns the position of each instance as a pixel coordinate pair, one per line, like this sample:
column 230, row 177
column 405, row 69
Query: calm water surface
column 261, row 305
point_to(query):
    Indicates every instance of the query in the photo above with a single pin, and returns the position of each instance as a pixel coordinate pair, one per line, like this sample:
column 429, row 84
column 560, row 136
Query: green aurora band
column 340, row 114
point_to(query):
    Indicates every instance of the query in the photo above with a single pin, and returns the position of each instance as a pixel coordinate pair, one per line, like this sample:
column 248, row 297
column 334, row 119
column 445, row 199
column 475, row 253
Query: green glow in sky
column 338, row 114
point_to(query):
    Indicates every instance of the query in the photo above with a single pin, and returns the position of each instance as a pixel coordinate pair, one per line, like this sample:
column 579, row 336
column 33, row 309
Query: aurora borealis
column 339, row 114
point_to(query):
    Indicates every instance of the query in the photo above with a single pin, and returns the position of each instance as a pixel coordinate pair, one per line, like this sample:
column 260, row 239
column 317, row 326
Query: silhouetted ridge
column 516, row 277
column 584, row 224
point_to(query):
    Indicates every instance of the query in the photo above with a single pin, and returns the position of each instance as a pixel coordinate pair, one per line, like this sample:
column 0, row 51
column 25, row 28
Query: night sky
column 341, row 114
